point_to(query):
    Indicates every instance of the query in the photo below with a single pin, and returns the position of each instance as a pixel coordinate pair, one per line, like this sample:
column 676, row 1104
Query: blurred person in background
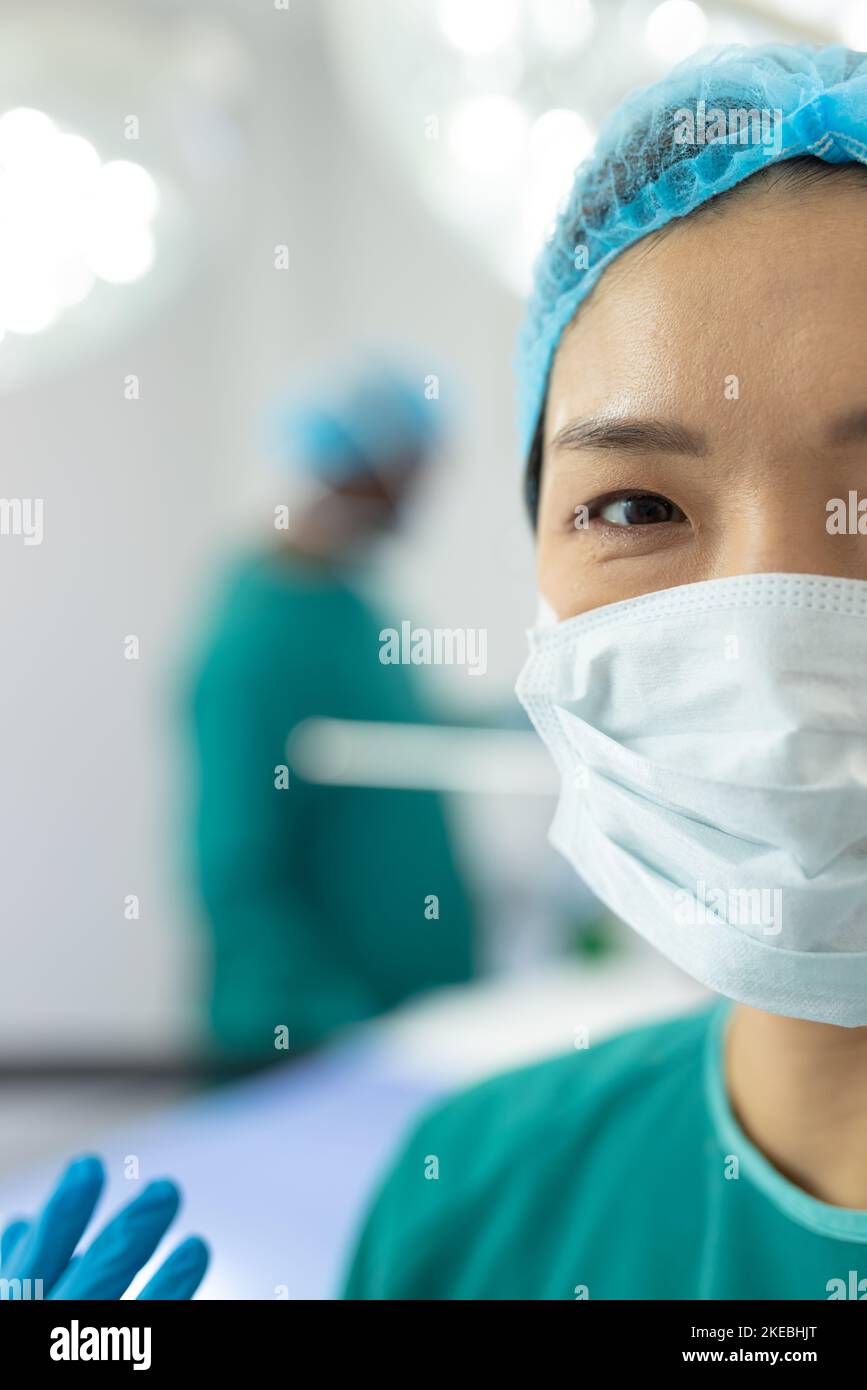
column 315, row 895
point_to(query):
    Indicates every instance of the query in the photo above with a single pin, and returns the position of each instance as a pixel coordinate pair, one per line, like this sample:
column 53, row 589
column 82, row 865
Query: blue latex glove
column 43, row 1248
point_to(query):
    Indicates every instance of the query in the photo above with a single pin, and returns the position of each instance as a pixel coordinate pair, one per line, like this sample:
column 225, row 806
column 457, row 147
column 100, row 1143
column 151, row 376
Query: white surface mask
column 712, row 745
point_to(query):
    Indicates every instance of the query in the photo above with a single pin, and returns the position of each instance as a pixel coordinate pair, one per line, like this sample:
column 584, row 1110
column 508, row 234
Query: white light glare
column 488, row 136
column 121, row 255
column 479, row 26
column 675, row 29
column 563, row 26
column 129, row 188
column 25, row 137
column 852, row 26
column 64, row 219
column 559, row 141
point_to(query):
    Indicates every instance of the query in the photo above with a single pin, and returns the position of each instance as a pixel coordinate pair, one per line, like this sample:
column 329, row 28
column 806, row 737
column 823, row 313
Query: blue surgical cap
column 358, row 421
column 717, row 118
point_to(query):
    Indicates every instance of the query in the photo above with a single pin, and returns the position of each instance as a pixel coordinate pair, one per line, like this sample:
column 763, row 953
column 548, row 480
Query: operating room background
column 251, row 125
column 144, row 499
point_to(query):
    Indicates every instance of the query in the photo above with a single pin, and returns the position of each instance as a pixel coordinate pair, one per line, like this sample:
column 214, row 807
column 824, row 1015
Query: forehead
column 771, row 288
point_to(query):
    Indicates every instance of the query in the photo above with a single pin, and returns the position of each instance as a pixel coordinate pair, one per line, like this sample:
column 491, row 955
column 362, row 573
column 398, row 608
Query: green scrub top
column 618, row 1172
column 318, row 898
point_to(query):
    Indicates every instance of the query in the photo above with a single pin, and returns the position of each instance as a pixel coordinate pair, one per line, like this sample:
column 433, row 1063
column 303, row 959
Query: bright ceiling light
column 851, row 24
column 128, row 189
column 563, row 26
column 26, row 137
column 121, row 255
column 74, row 282
column 675, row 29
column 488, row 136
column 477, row 26
column 560, row 137
column 73, row 160
column 27, row 307
column 559, row 141
column 65, row 219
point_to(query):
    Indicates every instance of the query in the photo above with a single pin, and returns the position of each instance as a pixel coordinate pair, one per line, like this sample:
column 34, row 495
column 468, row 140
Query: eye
column 634, row 509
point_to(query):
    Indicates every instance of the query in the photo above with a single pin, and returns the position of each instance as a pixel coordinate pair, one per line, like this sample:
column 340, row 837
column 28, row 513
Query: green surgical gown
column 326, row 905
column 618, row 1172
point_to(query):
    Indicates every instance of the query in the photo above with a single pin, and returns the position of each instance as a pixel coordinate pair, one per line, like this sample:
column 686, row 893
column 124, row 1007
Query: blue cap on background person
column 364, row 420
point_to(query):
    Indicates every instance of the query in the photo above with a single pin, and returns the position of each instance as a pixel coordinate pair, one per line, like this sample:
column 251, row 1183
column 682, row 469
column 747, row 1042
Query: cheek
column 575, row 572
column 571, row 575
column 563, row 569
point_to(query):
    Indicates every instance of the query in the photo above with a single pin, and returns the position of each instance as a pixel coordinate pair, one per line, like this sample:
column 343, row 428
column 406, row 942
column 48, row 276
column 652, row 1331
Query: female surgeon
column 694, row 385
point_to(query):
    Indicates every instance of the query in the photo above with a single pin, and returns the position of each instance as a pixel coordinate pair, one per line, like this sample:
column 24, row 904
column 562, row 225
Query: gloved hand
column 43, row 1248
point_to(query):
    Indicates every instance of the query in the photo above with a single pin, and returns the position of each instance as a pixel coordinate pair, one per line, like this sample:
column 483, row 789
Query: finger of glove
column 10, row 1238
column 126, row 1244
column 44, row 1251
column 182, row 1272
column 59, row 1288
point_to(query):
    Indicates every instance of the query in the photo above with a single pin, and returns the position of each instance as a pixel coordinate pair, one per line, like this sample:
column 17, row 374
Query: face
column 369, row 503
column 708, row 403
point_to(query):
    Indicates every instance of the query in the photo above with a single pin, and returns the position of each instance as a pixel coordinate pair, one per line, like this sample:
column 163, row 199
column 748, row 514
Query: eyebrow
column 631, row 434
